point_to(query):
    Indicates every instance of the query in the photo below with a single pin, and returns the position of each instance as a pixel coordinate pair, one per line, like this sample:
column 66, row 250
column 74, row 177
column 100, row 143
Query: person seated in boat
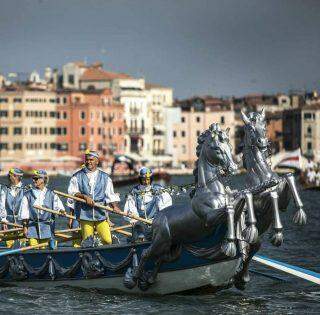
column 146, row 198
column 10, row 201
column 317, row 178
column 38, row 225
column 311, row 176
column 94, row 186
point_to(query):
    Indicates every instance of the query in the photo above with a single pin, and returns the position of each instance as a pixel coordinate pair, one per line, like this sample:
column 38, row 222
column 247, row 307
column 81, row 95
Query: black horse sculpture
column 210, row 206
column 263, row 208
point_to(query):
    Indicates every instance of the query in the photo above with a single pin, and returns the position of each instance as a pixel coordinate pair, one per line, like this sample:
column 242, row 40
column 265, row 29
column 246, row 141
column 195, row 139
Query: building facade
column 197, row 115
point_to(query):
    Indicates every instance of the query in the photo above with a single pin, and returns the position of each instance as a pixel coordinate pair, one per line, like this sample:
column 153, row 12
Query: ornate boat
column 105, row 268
column 206, row 241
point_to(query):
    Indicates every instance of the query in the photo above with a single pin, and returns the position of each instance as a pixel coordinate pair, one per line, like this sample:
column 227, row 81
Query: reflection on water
column 263, row 295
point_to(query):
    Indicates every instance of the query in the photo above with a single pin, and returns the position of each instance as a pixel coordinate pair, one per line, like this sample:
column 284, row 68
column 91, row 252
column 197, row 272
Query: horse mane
column 201, row 139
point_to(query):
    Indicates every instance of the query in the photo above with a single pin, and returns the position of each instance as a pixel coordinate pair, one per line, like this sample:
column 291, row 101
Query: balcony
column 158, row 152
column 135, row 131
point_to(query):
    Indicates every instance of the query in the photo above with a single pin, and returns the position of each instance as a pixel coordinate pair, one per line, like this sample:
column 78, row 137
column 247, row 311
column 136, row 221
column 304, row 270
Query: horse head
column 255, row 130
column 217, row 148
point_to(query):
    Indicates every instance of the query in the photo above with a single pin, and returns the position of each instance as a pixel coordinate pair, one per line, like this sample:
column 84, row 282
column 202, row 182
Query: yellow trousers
column 10, row 243
column 102, row 228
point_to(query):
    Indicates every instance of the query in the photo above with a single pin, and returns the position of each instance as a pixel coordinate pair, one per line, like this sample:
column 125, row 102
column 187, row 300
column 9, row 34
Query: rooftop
column 98, row 74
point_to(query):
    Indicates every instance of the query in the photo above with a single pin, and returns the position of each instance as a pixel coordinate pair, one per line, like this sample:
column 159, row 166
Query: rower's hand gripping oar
column 131, row 216
column 63, row 214
column 293, row 270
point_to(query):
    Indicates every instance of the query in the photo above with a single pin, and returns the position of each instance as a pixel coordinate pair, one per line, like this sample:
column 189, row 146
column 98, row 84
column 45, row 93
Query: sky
column 197, row 47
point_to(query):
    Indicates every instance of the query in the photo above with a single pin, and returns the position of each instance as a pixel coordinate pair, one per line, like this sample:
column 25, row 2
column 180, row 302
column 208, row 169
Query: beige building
column 310, row 131
column 196, row 116
column 27, row 124
column 160, row 99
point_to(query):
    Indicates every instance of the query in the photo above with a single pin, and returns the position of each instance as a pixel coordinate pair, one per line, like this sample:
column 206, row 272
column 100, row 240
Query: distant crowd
column 312, row 173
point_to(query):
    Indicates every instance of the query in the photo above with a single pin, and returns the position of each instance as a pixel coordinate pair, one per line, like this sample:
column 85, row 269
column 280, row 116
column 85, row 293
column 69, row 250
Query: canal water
column 263, row 295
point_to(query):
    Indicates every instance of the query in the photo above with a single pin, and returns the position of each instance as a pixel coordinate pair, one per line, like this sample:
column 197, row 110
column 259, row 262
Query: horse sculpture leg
column 300, row 216
column 243, row 277
column 277, row 237
column 229, row 247
column 251, row 232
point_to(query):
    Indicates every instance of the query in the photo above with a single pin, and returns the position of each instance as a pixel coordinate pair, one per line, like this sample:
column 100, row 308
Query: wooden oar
column 131, row 216
column 11, row 224
column 293, row 270
column 115, row 229
column 23, row 249
column 10, row 231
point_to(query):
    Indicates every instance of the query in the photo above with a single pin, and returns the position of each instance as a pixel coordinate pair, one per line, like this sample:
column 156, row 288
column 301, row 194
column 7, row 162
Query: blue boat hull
column 105, row 268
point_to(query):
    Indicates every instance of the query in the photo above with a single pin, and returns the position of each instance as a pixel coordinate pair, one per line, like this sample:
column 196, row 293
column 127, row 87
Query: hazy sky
column 223, row 47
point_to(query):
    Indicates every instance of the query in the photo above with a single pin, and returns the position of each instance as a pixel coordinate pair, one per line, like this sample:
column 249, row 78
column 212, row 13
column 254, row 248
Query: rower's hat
column 145, row 172
column 92, row 153
column 39, row 173
column 16, row 171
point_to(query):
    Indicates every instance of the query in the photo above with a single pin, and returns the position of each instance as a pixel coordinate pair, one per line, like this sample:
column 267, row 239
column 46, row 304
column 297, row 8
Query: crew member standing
column 146, row 199
column 10, row 200
column 94, row 186
column 38, row 224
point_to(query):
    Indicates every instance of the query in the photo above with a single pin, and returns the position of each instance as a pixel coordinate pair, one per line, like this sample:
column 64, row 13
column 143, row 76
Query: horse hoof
column 251, row 234
column 129, row 282
column 300, row 217
column 277, row 239
column 229, row 248
column 143, row 285
column 242, row 280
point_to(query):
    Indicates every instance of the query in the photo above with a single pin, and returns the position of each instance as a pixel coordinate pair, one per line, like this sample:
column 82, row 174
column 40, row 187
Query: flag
column 291, row 159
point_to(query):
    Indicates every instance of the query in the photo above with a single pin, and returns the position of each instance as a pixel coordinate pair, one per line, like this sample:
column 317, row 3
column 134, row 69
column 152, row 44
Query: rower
column 146, row 199
column 94, row 186
column 10, row 200
column 38, row 225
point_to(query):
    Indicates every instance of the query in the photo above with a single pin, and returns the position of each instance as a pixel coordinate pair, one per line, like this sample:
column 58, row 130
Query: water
column 262, row 296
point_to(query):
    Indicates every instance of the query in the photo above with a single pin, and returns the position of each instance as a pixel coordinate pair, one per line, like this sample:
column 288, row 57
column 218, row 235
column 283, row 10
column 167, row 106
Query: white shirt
column 13, row 190
column 24, row 212
column 164, row 200
column 110, row 195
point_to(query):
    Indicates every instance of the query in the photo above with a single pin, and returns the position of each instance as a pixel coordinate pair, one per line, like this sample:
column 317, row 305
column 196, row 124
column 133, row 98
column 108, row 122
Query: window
column 183, row 134
column 120, row 131
column 3, row 130
column 183, row 119
column 71, row 79
column 198, row 133
column 3, row 113
column 52, row 131
column 82, row 131
column 222, row 120
column 17, row 113
column 309, row 116
column 197, row 119
column 52, row 114
column 17, row 146
column 58, row 115
column 3, row 146
column 174, row 134
column 65, row 116
column 82, row 146
column 52, row 146
column 82, row 115
column 17, row 131
column 309, row 130
column 99, row 131
column 3, row 100
column 309, row 145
